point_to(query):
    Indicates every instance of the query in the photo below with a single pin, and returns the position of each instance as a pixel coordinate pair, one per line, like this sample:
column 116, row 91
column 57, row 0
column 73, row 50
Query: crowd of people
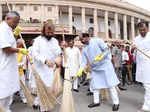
column 89, row 59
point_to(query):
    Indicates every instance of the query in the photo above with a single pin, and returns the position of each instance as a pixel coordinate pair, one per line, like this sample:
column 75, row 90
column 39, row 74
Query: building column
column 28, row 11
column 83, row 20
column 14, row 7
column 95, row 23
column 42, row 13
column 106, row 25
column 1, row 13
column 139, row 20
column 57, row 14
column 125, row 27
column 116, row 26
column 132, row 28
column 70, row 19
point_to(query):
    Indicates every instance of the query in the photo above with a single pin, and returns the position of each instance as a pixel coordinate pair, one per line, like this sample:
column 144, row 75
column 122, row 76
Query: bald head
column 12, row 19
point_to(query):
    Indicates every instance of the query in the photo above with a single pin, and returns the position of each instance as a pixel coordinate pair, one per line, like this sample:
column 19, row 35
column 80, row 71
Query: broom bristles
column 67, row 100
column 104, row 94
column 47, row 101
column 1, row 109
column 27, row 94
column 57, row 88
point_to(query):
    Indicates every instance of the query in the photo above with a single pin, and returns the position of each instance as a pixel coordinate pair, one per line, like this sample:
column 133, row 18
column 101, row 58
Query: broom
column 1, row 109
column 67, row 100
column 57, row 88
column 104, row 94
column 26, row 91
column 89, row 65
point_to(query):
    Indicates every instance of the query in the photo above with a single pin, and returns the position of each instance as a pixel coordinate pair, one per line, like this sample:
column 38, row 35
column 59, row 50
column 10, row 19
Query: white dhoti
column 146, row 105
column 113, row 93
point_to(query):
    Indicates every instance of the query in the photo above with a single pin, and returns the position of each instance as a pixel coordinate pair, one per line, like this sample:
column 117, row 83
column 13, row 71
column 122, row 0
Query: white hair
column 13, row 14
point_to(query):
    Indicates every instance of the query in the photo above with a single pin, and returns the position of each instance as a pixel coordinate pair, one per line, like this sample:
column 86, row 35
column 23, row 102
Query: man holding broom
column 21, row 61
column 9, row 77
column 45, row 52
column 103, row 74
column 142, row 42
column 73, row 57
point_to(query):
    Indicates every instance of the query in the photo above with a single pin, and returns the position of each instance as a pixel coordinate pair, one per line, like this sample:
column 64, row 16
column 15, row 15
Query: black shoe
column 93, row 105
column 115, row 107
column 36, row 107
column 76, row 90
column 89, row 94
column 78, row 86
column 86, row 84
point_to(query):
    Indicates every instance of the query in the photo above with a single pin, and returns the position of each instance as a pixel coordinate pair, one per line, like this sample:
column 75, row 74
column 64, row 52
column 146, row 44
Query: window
column 21, row 8
column 91, row 20
column 35, row 8
column 49, row 9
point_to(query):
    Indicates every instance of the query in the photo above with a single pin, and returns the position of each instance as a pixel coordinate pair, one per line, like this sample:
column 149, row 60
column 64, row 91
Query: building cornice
column 109, row 5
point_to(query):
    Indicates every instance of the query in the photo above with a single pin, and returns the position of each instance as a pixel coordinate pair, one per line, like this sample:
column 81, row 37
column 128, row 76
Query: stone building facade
column 103, row 18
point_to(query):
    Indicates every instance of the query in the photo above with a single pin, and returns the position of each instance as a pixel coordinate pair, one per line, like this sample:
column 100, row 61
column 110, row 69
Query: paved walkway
column 130, row 101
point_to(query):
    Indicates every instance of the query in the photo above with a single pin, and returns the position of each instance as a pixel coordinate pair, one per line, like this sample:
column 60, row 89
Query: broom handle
column 19, row 33
column 140, row 50
column 143, row 53
column 23, row 42
column 9, row 9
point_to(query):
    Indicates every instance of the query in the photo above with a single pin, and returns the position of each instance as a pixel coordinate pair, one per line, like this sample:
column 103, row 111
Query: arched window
column 74, row 30
column 91, row 31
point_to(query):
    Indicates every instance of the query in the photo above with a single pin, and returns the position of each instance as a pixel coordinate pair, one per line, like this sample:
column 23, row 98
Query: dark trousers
column 124, row 74
column 62, row 72
column 134, row 72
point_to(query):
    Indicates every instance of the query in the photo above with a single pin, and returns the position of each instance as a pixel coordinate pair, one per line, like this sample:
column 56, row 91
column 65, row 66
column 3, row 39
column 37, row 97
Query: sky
column 141, row 3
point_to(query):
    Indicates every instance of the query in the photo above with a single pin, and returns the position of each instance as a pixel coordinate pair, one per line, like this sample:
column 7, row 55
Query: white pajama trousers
column 113, row 93
column 75, row 84
column 146, row 105
column 6, row 103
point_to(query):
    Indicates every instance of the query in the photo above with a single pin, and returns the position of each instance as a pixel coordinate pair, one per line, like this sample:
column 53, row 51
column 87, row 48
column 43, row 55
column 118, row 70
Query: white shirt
column 43, row 50
column 73, row 57
column 125, row 57
column 143, row 63
column 9, row 76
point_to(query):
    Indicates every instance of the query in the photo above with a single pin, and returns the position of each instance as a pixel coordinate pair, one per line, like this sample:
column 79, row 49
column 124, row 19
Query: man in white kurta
column 73, row 57
column 9, row 76
column 45, row 50
column 142, row 42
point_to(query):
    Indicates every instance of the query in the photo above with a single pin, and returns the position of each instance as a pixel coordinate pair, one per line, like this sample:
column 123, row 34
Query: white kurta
column 44, row 49
column 142, row 62
column 9, row 76
column 73, row 57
